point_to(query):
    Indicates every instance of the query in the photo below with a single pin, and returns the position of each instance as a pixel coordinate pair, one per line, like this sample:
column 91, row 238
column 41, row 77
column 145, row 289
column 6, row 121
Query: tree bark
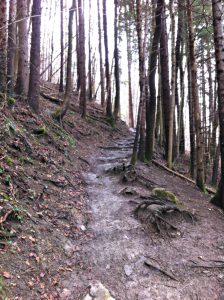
column 3, row 45
column 116, row 63
column 34, row 82
column 82, row 59
column 195, row 99
column 61, row 84
column 151, row 108
column 102, row 80
column 23, row 67
column 217, row 9
column 107, row 65
column 11, row 46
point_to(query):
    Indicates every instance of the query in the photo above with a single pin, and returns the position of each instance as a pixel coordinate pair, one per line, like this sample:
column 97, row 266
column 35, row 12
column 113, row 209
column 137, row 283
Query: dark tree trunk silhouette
column 23, row 67
column 195, row 100
column 217, row 8
column 34, row 82
column 82, row 59
column 116, row 63
column 61, row 84
column 3, row 45
column 151, row 108
column 102, row 80
column 107, row 65
column 11, row 51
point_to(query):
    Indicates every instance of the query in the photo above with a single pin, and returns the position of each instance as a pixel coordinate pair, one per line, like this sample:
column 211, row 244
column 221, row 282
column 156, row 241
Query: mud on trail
column 188, row 264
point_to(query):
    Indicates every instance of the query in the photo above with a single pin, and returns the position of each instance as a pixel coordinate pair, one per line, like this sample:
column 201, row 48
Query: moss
column 9, row 161
column 71, row 141
column 7, row 180
column 164, row 194
column 40, row 131
column 11, row 101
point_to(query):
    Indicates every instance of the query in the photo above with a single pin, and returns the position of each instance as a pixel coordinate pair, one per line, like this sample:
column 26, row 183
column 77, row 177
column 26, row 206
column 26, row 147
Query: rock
column 66, row 293
column 128, row 270
column 98, row 292
column 69, row 248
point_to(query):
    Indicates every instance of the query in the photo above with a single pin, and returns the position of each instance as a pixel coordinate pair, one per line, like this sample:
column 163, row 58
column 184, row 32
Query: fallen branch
column 168, row 274
column 211, row 191
column 52, row 99
column 84, row 160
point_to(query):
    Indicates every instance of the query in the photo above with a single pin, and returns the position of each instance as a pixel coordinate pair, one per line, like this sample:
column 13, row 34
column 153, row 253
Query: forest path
column 119, row 245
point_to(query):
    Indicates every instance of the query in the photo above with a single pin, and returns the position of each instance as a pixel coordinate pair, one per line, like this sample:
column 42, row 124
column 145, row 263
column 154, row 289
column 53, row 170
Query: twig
column 149, row 264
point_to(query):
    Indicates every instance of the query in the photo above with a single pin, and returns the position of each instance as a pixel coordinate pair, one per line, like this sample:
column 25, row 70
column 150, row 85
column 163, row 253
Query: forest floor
column 67, row 218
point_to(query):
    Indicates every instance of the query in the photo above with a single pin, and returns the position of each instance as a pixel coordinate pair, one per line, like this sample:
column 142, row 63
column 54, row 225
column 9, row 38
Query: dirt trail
column 119, row 246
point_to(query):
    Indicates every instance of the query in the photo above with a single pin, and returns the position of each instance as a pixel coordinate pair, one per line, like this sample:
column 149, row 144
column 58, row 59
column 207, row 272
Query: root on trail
column 155, row 211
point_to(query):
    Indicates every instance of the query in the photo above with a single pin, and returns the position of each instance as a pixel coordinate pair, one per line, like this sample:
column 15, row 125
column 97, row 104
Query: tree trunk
column 102, row 80
column 59, row 115
column 3, row 45
column 11, row 47
column 82, row 59
column 195, row 100
column 34, row 83
column 90, row 89
column 172, row 132
column 165, row 85
column 151, row 108
column 107, row 66
column 129, row 59
column 23, row 67
column 116, row 63
column 217, row 8
column 61, row 84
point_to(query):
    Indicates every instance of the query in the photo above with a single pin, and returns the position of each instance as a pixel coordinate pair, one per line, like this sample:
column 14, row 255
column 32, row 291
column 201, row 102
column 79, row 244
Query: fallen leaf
column 6, row 275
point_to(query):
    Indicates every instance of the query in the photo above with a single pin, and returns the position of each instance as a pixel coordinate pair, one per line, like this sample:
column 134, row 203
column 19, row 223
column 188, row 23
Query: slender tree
column 61, row 84
column 34, row 82
column 217, row 8
column 116, row 63
column 11, row 50
column 151, row 107
column 102, row 80
column 195, row 100
column 82, row 59
column 22, row 81
column 107, row 65
column 3, row 44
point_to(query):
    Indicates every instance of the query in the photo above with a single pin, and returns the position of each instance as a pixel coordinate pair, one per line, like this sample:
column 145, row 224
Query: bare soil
column 71, row 225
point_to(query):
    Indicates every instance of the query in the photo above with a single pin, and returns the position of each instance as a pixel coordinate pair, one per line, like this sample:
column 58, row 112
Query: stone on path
column 98, row 292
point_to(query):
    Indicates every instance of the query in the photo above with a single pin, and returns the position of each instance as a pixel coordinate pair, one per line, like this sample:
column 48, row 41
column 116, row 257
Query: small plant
column 9, row 161
column 17, row 214
column 11, row 101
column 2, row 170
column 3, row 290
column 7, row 180
column 71, row 141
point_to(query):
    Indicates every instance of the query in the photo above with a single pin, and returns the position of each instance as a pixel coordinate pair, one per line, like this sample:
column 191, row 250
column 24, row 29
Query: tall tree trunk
column 116, row 63
column 129, row 59
column 61, row 84
column 3, row 45
column 90, row 90
column 217, row 8
column 82, row 59
column 165, row 85
column 195, row 99
column 77, row 47
column 107, row 66
column 151, row 105
column 102, row 80
column 23, row 67
column 34, row 82
column 191, row 122
column 11, row 46
column 58, row 115
column 172, row 132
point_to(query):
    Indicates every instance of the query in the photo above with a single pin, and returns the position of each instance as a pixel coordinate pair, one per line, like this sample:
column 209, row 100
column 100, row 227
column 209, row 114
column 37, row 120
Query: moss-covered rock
column 161, row 193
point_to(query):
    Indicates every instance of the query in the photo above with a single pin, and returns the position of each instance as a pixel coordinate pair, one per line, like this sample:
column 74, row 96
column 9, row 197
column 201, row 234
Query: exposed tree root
column 155, row 211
